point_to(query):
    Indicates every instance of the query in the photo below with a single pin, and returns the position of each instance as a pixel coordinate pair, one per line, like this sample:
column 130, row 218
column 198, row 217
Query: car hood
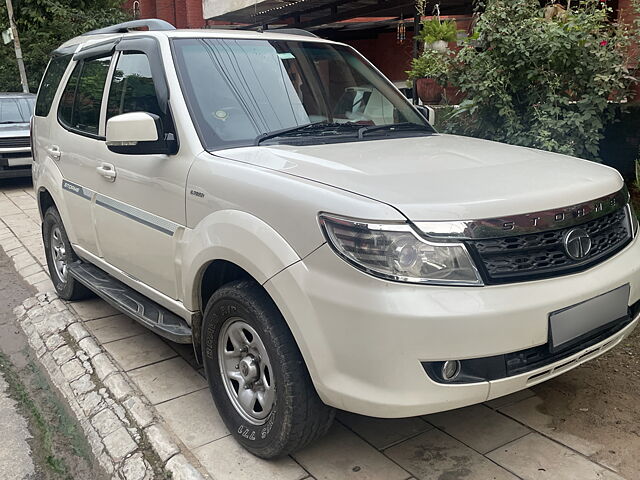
column 442, row 177
column 14, row 130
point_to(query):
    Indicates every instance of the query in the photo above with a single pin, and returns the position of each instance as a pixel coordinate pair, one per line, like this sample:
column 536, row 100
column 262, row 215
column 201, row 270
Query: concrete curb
column 117, row 420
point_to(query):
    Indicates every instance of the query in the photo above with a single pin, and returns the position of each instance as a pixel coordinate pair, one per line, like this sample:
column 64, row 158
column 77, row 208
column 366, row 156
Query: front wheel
column 256, row 373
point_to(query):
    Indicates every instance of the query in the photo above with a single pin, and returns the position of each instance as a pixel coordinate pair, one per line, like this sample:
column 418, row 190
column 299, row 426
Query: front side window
column 240, row 89
column 49, row 86
column 15, row 109
column 132, row 88
column 82, row 97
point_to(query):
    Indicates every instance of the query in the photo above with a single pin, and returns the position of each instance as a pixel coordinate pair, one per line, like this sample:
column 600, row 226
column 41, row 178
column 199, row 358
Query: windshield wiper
column 277, row 133
column 309, row 127
column 6, row 122
column 393, row 127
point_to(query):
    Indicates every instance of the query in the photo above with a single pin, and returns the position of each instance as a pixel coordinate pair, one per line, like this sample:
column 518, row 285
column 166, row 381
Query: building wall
column 214, row 8
column 181, row 13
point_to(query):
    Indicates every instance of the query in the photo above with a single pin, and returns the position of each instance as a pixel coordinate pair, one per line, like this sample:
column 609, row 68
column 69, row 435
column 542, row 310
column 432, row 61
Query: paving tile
column 167, row 380
column 116, row 327
column 383, row 432
column 478, row 426
column 138, row 351
column 537, row 457
column 509, row 399
column 342, row 455
column 436, row 455
column 93, row 308
column 225, row 459
column 202, row 424
column 531, row 412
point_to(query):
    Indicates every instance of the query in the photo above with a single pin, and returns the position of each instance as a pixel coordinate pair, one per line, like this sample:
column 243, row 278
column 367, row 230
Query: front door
column 140, row 207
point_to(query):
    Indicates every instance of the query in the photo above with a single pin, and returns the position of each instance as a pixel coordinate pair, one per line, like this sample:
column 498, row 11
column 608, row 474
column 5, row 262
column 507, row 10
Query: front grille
column 15, row 142
column 540, row 255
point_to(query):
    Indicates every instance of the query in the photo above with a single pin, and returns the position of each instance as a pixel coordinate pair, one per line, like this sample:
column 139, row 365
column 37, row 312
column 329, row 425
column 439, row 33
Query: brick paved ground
column 507, row 438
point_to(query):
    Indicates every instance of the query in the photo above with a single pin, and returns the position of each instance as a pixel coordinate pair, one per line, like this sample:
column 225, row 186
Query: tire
column 56, row 243
column 292, row 413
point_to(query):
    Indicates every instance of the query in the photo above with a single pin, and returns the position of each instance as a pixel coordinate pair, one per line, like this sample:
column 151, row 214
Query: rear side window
column 50, row 82
column 82, row 97
column 132, row 88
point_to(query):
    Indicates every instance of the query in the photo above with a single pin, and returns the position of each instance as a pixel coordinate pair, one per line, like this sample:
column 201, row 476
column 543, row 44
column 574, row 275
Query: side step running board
column 147, row 312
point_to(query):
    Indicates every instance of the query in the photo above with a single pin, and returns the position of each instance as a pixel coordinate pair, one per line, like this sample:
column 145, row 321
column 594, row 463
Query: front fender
column 237, row 237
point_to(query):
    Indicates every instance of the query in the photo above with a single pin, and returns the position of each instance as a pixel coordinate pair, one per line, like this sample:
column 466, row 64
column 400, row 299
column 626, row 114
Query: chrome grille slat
column 538, row 255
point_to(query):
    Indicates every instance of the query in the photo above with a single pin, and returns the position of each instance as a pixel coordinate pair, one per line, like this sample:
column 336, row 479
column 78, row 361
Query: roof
column 87, row 40
column 314, row 14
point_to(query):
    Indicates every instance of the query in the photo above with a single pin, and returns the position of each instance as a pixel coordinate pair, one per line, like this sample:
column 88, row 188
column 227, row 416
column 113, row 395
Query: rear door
column 76, row 143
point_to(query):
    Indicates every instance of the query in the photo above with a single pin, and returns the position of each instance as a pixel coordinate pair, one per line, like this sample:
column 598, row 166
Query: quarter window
column 82, row 97
column 50, row 81
column 132, row 88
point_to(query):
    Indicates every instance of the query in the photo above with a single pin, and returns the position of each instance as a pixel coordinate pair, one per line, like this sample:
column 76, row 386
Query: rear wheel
column 60, row 255
column 256, row 373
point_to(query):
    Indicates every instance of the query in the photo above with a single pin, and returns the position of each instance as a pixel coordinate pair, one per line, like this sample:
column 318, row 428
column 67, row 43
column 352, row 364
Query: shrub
column 431, row 63
column 543, row 83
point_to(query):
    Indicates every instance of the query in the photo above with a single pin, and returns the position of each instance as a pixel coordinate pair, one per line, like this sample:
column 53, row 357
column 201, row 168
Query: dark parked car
column 15, row 146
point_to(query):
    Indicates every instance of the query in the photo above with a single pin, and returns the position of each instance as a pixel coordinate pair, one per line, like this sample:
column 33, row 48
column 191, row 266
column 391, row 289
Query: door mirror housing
column 138, row 133
column 428, row 113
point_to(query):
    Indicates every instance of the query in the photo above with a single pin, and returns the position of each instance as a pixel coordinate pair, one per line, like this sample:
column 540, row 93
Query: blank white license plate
column 14, row 162
column 571, row 323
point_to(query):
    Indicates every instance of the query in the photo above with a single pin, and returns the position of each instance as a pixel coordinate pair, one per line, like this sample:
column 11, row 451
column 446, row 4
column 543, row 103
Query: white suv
column 274, row 200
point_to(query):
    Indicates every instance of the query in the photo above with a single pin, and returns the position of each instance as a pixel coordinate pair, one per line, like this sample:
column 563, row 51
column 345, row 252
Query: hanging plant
column 436, row 34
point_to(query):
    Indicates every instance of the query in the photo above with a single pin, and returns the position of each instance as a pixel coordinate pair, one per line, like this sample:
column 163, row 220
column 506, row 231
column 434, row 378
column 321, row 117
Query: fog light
column 450, row 369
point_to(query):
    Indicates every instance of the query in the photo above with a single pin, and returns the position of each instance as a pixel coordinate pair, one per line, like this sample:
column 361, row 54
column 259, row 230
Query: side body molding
column 236, row 237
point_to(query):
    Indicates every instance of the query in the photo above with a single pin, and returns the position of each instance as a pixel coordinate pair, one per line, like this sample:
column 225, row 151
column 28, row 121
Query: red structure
column 181, row 13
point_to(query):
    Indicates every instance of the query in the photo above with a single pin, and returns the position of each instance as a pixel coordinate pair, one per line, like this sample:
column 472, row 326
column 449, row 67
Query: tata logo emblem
column 577, row 243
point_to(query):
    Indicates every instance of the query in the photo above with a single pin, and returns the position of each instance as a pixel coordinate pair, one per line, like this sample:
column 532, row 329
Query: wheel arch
column 45, row 201
column 226, row 246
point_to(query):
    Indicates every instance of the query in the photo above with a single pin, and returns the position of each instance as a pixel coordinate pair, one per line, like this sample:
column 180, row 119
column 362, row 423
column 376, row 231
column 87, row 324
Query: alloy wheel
column 59, row 254
column 246, row 371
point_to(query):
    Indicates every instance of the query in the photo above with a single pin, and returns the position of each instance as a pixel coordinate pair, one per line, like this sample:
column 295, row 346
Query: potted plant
column 437, row 34
column 429, row 72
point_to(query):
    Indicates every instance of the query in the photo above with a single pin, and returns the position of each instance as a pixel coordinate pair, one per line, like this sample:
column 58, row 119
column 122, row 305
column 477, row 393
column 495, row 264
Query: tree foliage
column 543, row 83
column 43, row 25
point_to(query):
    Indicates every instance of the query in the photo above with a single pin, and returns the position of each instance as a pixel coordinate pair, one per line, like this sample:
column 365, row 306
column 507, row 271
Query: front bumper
column 364, row 339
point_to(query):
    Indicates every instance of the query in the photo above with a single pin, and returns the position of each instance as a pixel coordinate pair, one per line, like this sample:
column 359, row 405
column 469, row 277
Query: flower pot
column 439, row 46
column 453, row 95
column 429, row 90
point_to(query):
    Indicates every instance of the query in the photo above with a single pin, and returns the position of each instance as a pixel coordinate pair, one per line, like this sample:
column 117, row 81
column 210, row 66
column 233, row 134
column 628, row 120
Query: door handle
column 54, row 152
column 108, row 171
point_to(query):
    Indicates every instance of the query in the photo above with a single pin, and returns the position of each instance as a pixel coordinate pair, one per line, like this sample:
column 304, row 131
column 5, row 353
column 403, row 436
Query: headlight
column 397, row 252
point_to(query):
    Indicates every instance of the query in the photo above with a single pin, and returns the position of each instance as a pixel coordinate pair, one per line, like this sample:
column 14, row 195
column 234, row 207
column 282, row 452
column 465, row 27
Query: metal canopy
column 313, row 14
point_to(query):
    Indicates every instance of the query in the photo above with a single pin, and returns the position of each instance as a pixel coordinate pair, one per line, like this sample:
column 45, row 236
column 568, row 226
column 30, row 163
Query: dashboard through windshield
column 241, row 90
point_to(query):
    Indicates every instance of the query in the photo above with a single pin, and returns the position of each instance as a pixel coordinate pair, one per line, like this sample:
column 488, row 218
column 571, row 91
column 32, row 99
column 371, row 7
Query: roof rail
column 292, row 31
column 154, row 24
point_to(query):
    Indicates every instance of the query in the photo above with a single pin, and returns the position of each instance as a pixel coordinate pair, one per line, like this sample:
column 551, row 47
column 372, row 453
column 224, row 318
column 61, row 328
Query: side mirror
column 138, row 133
column 428, row 113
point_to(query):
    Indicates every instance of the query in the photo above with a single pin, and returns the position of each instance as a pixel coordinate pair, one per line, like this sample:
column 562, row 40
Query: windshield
column 16, row 109
column 239, row 90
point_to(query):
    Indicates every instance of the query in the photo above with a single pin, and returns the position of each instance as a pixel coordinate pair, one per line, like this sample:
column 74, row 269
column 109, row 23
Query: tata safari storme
column 274, row 200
